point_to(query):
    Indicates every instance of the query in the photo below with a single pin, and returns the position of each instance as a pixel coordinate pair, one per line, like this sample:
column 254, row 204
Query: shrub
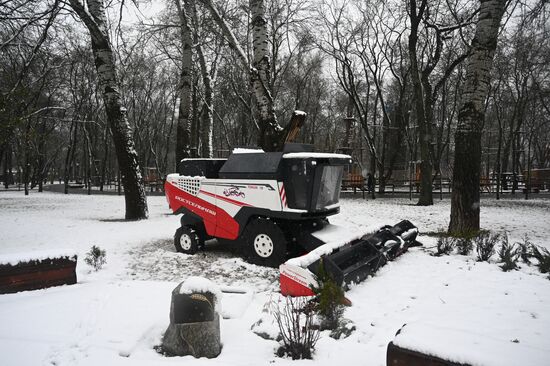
column 464, row 245
column 543, row 256
column 344, row 329
column 508, row 254
column 330, row 300
column 525, row 249
column 295, row 322
column 96, row 257
column 445, row 245
column 485, row 245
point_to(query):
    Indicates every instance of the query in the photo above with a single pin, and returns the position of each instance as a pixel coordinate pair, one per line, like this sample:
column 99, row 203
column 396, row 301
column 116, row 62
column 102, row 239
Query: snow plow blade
column 350, row 263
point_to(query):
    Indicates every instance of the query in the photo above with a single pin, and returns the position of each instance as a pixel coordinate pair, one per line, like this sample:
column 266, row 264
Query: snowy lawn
column 116, row 316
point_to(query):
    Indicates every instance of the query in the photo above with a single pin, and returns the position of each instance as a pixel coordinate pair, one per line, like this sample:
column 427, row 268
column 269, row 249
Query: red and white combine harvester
column 275, row 206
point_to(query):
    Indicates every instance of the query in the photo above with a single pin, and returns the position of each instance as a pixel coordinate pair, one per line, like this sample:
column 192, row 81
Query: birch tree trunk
column 467, row 161
column 207, row 117
column 183, row 128
column 270, row 131
column 271, row 135
column 94, row 18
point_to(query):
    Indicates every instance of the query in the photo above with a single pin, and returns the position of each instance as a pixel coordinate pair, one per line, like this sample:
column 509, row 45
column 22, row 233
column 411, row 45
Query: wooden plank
column 37, row 274
column 397, row 356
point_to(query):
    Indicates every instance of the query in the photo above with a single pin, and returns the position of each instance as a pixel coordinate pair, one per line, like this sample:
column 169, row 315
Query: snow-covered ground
column 117, row 315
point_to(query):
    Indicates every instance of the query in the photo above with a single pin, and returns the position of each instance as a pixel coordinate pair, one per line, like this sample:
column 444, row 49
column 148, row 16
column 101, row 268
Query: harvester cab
column 275, row 206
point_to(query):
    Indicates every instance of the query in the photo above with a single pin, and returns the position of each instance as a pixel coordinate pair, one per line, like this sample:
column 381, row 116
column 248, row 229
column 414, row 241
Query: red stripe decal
column 282, row 193
column 224, row 198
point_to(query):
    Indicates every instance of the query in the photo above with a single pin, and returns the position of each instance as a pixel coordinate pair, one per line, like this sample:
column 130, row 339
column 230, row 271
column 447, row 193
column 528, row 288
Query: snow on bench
column 424, row 344
column 38, row 255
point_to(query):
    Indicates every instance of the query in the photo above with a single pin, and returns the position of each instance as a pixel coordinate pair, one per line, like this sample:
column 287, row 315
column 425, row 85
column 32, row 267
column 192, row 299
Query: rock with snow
column 194, row 320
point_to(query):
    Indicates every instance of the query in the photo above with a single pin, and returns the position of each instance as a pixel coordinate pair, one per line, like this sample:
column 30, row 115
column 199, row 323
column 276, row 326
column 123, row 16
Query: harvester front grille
column 190, row 185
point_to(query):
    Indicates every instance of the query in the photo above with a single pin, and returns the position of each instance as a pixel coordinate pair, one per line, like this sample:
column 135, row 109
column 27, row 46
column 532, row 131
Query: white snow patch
column 38, row 255
column 242, row 150
column 203, row 159
column 300, row 113
column 409, row 233
column 334, row 237
column 316, row 155
column 196, row 284
column 123, row 309
column 235, row 303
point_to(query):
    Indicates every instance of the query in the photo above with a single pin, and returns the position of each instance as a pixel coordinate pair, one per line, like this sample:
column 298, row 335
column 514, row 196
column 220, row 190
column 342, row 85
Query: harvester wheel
column 186, row 240
column 264, row 243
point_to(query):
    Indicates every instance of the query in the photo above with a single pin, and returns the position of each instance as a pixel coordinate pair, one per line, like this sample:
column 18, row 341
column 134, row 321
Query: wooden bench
column 34, row 274
column 354, row 180
column 155, row 186
column 397, row 356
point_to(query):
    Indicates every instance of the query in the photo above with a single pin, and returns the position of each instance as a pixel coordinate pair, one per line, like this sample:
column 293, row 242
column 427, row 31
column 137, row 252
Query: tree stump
column 194, row 325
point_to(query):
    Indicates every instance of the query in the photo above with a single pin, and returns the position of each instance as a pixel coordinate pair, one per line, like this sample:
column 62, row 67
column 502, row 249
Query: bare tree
column 372, row 69
column 93, row 16
column 465, row 203
column 426, row 22
column 208, row 72
column 271, row 135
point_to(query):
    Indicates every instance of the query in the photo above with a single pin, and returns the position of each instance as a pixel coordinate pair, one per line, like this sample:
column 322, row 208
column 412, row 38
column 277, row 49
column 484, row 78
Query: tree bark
column 69, row 157
column 134, row 191
column 8, row 178
column 26, row 159
column 195, row 119
column 467, row 162
column 424, row 135
column 104, row 160
column 207, row 117
column 270, row 131
column 183, row 128
column 3, row 151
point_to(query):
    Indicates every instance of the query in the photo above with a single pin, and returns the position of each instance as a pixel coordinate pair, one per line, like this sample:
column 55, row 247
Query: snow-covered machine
column 275, row 205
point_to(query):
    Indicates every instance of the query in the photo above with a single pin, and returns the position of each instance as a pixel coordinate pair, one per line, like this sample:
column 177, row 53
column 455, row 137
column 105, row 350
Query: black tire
column 186, row 240
column 264, row 243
